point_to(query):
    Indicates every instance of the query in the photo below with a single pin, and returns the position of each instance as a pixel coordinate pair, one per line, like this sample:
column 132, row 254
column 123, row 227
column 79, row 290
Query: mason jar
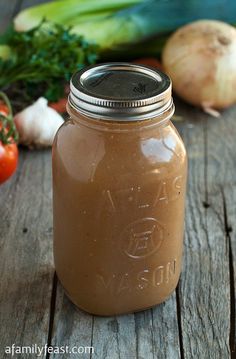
column 119, row 178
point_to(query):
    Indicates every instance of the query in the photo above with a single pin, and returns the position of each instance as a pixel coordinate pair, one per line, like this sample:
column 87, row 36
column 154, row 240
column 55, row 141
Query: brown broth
column 118, row 198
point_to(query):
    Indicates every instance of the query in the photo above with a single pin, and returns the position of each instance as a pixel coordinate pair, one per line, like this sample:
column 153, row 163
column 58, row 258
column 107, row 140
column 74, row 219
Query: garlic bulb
column 38, row 124
column 200, row 58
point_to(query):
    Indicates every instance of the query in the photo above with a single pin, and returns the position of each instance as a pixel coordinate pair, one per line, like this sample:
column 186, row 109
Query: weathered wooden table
column 198, row 321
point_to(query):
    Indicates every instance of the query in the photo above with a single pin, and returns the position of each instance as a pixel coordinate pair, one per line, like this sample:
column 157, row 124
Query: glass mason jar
column 119, row 178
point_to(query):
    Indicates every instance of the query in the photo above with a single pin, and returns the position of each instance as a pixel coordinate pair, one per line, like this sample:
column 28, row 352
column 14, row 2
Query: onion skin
column 200, row 58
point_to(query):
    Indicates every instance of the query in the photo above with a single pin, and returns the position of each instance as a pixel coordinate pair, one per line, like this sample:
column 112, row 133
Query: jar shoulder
column 86, row 153
column 163, row 139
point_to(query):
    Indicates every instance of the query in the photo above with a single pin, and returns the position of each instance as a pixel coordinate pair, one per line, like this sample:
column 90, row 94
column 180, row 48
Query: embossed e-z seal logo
column 142, row 237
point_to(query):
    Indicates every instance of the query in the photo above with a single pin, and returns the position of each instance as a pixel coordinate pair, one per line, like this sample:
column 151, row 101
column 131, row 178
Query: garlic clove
column 38, row 124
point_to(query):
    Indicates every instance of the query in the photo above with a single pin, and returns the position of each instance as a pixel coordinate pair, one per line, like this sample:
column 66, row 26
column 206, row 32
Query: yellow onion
column 200, row 58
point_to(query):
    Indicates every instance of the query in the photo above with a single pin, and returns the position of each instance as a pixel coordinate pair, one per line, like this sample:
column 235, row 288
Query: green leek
column 115, row 26
column 68, row 12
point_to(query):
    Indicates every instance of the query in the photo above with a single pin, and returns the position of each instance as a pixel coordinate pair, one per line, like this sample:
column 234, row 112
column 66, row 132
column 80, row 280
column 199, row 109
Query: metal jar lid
column 121, row 92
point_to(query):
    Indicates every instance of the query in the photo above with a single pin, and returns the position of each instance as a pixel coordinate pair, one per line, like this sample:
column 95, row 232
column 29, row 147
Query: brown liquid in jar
column 118, row 198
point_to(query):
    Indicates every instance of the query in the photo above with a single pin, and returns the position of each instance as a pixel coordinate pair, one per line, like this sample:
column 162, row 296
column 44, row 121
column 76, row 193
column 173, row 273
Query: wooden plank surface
column 26, row 253
column 204, row 288
column 198, row 321
column 222, row 182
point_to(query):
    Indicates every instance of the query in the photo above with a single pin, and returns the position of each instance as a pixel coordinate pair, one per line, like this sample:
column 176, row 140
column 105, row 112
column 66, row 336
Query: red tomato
column 149, row 61
column 59, row 106
column 8, row 160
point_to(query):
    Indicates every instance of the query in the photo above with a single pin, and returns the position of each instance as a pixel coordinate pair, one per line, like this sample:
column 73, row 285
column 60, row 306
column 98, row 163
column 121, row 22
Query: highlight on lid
column 121, row 90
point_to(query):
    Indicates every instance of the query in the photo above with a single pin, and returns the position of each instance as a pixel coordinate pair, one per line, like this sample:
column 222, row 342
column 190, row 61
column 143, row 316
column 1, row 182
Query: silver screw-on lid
column 121, row 91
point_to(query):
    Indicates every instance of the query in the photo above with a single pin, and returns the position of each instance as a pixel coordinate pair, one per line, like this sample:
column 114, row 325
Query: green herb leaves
column 42, row 60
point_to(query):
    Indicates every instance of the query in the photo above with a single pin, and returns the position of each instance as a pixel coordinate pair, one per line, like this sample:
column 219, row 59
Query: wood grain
column 222, row 182
column 26, row 252
column 204, row 287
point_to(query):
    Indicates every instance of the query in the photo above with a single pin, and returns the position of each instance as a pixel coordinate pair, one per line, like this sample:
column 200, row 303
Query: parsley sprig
column 42, row 60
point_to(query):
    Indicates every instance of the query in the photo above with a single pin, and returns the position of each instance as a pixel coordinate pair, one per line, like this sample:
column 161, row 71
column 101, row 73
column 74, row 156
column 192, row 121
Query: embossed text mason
column 119, row 178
